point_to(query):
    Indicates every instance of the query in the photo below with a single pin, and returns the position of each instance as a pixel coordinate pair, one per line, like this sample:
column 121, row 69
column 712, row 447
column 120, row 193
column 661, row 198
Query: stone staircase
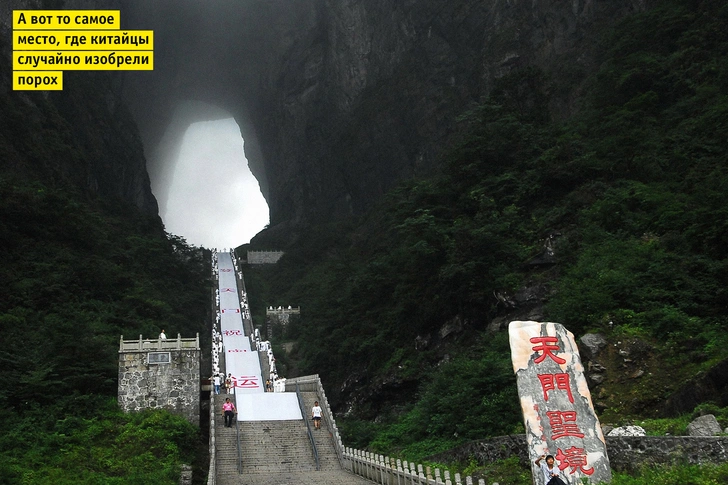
column 323, row 437
column 278, row 453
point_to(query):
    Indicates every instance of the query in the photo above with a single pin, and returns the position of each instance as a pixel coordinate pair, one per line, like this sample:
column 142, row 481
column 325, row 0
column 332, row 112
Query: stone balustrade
column 377, row 468
column 212, row 469
column 281, row 311
column 142, row 344
column 390, row 471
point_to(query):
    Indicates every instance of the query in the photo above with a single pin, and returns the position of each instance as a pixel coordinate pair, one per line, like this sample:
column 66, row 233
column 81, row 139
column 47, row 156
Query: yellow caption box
column 66, row 19
column 109, row 60
column 37, row 81
column 83, row 40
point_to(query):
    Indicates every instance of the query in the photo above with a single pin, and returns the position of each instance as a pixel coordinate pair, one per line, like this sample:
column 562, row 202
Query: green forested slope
column 632, row 190
column 76, row 273
column 79, row 268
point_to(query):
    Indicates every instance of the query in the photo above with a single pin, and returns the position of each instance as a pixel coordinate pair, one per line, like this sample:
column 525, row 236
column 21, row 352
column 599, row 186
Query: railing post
column 400, row 472
column 378, row 461
column 140, row 342
column 438, row 479
column 383, row 469
column 392, row 471
column 481, row 481
column 458, row 481
column 370, row 471
column 447, row 477
column 468, row 480
column 367, row 465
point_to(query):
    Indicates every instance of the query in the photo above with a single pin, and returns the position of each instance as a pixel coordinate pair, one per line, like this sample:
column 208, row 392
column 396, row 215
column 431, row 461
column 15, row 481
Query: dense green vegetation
column 101, row 446
column 76, row 274
column 631, row 191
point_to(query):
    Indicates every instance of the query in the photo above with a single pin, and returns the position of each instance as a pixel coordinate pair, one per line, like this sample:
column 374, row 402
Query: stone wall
column 625, row 453
column 174, row 386
column 264, row 257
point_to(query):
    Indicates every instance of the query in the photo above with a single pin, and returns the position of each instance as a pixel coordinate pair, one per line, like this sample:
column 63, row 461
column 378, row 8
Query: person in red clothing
column 228, row 412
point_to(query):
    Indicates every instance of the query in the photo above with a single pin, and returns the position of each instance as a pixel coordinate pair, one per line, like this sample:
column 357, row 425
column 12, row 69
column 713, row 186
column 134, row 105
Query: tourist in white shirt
column 551, row 473
column 316, row 415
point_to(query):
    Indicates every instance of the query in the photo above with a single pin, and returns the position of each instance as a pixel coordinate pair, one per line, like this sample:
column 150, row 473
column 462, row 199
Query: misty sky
column 214, row 200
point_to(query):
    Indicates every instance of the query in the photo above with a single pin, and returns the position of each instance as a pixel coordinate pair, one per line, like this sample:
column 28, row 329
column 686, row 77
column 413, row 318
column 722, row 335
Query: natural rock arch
column 338, row 100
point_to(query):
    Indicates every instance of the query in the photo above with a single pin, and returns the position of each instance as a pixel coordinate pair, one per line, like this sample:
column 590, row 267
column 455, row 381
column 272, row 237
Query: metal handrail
column 334, row 431
column 237, row 442
column 308, row 427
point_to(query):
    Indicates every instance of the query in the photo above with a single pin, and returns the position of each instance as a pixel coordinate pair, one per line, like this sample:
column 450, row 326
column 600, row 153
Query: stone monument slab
column 557, row 408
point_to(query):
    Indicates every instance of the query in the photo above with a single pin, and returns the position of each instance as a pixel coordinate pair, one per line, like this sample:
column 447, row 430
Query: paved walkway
column 299, row 478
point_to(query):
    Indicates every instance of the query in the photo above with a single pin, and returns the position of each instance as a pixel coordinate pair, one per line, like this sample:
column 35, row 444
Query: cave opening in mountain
column 212, row 198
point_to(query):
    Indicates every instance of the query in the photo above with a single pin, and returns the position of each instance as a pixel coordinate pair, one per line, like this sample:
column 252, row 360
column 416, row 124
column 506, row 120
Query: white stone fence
column 377, row 468
column 282, row 311
column 212, row 470
column 159, row 344
column 388, row 471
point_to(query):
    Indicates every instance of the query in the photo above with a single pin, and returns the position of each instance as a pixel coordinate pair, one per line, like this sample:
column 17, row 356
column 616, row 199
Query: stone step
column 278, row 453
column 339, row 477
column 323, row 437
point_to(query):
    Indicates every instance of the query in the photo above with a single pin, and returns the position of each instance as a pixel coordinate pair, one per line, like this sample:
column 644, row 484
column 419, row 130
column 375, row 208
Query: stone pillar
column 557, row 408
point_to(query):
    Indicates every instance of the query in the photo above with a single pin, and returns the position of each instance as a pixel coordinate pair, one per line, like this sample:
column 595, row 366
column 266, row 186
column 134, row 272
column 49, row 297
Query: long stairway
column 269, row 443
column 277, row 453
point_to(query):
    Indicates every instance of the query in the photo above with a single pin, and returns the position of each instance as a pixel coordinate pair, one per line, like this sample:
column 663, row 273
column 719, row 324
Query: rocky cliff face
column 83, row 136
column 339, row 100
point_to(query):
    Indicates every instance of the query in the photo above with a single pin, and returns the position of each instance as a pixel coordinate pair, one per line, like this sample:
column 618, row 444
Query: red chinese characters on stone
column 574, row 458
column 547, row 347
column 560, row 381
column 563, row 423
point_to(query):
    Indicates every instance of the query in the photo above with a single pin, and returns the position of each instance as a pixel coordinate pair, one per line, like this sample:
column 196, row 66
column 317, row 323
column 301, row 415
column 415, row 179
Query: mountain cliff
column 337, row 101
column 83, row 136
